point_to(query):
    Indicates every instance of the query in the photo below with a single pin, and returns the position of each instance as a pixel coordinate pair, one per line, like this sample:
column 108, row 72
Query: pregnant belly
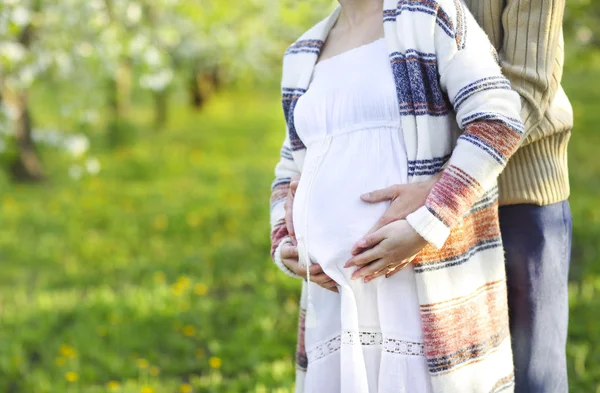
column 329, row 216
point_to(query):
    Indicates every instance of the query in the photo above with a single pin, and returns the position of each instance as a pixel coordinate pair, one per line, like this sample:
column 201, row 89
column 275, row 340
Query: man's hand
column 392, row 248
column 289, row 257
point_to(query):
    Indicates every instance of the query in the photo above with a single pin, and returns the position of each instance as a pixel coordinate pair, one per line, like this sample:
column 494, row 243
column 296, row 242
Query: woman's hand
column 289, row 257
column 288, row 205
column 387, row 250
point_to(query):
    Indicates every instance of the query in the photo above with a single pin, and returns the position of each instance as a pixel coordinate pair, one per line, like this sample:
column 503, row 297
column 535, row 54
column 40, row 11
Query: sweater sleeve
column 487, row 111
column 285, row 170
column 532, row 37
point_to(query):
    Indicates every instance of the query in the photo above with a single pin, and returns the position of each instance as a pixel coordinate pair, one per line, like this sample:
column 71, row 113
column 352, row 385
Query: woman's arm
column 487, row 110
column 285, row 170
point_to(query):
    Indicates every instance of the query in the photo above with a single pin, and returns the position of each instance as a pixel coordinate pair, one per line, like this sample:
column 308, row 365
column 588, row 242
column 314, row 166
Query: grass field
column 154, row 275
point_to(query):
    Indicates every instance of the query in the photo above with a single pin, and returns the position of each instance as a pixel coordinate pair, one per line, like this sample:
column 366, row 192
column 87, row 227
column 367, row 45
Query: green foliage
column 158, row 261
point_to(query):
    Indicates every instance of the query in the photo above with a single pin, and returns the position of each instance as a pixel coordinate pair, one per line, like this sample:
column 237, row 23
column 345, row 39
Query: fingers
column 372, row 238
column 322, row 279
column 381, row 195
column 367, row 244
column 404, row 264
column 329, row 285
column 294, row 186
column 365, row 257
column 289, row 213
column 289, row 251
column 371, row 268
column 388, row 271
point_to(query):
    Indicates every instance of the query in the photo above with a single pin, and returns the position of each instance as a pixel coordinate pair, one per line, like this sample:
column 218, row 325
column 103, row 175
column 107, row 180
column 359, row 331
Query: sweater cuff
column 431, row 228
column 279, row 262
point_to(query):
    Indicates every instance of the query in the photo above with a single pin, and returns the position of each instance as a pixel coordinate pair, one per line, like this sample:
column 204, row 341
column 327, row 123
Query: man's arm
column 532, row 39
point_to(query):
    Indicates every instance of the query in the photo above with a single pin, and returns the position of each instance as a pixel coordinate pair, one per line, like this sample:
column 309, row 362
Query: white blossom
column 77, row 145
column 152, row 57
column 92, row 165
column 13, row 51
column 21, row 16
column 134, row 12
column 157, row 81
column 584, row 35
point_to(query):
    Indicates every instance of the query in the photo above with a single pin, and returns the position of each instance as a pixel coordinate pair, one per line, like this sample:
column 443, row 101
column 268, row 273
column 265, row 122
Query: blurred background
column 137, row 145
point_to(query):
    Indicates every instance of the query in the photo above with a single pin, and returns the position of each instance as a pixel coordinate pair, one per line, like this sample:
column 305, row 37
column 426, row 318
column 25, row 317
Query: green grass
column 155, row 273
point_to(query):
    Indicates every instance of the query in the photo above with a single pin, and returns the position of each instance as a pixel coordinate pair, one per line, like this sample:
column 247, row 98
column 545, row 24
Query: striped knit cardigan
column 457, row 109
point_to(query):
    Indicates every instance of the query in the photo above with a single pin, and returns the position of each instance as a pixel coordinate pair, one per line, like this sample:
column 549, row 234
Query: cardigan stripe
column 452, row 327
column 512, row 123
column 417, row 82
column 426, row 167
column 305, row 46
column 479, row 86
column 503, row 384
column 478, row 232
column 459, row 260
column 428, row 7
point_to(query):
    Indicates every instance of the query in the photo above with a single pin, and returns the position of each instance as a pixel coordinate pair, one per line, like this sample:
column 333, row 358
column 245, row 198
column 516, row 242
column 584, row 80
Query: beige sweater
column 528, row 37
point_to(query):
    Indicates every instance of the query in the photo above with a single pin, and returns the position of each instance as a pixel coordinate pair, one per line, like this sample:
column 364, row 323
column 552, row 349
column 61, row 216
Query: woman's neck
column 354, row 12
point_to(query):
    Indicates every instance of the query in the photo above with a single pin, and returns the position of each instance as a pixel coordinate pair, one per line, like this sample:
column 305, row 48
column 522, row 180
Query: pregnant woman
column 382, row 93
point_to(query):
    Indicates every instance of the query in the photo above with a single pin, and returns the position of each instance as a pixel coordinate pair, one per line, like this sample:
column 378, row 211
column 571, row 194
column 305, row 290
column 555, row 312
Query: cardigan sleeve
column 285, row 170
column 487, row 111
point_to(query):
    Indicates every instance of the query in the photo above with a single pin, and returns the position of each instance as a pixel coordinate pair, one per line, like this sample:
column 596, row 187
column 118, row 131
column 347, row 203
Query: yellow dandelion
column 185, row 388
column 154, row 371
column 161, row 222
column 67, row 351
column 8, row 203
column 60, row 361
column 215, row 362
column 193, row 220
column 189, row 330
column 113, row 385
column 147, row 389
column 142, row 363
column 177, row 289
column 200, row 289
column 200, row 353
column 184, row 281
column 71, row 376
column 160, row 277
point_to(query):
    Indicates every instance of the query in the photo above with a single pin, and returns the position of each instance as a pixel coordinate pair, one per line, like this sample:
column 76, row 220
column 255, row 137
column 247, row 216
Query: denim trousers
column 537, row 243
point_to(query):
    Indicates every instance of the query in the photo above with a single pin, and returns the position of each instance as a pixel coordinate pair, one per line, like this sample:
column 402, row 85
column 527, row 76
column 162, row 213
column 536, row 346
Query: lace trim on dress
column 390, row 345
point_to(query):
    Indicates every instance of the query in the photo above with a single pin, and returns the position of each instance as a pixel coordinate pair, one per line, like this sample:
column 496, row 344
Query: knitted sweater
column 529, row 40
column 456, row 109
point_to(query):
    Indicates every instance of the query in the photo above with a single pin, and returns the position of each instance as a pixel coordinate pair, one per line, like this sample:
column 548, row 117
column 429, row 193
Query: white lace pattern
column 388, row 344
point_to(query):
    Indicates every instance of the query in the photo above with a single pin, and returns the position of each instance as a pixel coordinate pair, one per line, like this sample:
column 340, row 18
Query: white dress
column 367, row 338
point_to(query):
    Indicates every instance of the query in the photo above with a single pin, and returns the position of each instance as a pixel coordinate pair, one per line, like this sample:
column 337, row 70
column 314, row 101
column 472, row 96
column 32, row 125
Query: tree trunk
column 120, row 91
column 27, row 166
column 197, row 99
column 161, row 108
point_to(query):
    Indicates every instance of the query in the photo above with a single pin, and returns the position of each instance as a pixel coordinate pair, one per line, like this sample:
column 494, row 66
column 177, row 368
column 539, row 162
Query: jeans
column 537, row 242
